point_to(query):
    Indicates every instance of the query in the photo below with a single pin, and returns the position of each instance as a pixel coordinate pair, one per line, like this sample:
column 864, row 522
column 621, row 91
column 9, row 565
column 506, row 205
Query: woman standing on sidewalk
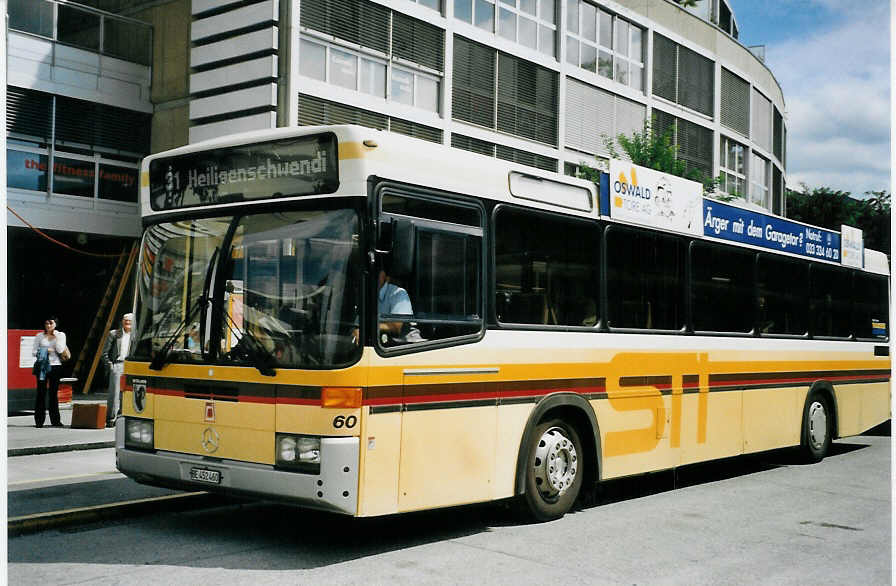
column 48, row 348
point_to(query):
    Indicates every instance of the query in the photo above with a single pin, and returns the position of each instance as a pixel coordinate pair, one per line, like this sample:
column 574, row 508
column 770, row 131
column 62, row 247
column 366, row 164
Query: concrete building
column 95, row 85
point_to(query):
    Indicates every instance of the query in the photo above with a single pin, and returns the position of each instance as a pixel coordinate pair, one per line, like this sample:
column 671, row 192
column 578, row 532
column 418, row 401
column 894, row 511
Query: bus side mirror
column 404, row 240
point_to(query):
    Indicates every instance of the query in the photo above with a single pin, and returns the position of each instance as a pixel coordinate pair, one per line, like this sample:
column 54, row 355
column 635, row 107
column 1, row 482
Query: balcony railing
column 83, row 27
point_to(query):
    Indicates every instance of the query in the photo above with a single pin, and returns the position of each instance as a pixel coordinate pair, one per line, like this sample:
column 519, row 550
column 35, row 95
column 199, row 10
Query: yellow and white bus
column 361, row 322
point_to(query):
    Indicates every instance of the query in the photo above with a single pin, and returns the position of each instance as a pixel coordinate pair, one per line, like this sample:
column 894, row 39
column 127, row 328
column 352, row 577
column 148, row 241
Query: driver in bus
column 392, row 300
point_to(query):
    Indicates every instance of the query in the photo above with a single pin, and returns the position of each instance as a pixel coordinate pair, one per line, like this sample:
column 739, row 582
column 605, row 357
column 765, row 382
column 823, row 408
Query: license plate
column 203, row 475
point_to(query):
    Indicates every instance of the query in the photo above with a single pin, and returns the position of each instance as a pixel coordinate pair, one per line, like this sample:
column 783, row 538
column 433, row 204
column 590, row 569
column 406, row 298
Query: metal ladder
column 104, row 316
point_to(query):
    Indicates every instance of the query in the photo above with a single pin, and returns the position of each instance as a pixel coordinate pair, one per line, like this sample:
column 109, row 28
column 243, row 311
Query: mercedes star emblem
column 210, row 440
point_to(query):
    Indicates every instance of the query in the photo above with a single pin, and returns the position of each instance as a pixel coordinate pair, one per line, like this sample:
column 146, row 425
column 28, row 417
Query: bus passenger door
column 430, row 300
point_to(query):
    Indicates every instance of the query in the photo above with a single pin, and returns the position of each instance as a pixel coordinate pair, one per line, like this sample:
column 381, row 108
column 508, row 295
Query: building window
column 735, row 103
column 108, row 34
column 603, row 43
column 778, row 135
column 389, row 39
column 526, row 101
column 759, row 181
column 89, row 157
column 26, row 168
column 731, row 167
column 31, row 16
column 593, row 115
column 777, row 191
column 358, row 72
column 683, row 76
column 434, row 4
column 761, row 119
column 531, row 23
column 694, row 142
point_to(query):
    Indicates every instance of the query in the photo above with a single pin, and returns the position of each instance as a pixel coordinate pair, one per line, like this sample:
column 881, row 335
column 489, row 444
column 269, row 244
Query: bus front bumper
column 334, row 489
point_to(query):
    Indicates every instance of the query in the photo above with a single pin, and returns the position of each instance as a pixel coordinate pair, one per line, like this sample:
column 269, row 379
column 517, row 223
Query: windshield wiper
column 160, row 359
column 260, row 356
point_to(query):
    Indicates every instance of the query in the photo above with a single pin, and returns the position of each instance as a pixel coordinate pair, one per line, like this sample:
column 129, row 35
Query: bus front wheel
column 554, row 470
column 815, row 440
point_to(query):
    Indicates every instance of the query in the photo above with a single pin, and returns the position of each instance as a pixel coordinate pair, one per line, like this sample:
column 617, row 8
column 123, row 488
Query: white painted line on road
column 70, row 477
column 107, row 506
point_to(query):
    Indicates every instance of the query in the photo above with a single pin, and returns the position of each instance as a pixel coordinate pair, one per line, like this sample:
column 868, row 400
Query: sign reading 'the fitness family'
column 739, row 225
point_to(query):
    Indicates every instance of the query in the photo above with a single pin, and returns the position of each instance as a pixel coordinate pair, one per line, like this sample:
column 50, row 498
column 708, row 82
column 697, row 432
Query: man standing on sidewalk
column 114, row 352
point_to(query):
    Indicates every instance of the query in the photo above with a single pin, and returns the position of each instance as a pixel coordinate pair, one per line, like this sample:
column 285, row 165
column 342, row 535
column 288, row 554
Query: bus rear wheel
column 815, row 440
column 554, row 471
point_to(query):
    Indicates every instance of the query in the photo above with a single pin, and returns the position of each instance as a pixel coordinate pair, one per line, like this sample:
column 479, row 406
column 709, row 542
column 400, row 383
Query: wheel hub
column 556, row 463
column 818, row 425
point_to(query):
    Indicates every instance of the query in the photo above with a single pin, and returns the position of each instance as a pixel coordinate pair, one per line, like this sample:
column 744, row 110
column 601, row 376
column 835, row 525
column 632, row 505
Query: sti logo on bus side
column 632, row 393
column 623, row 187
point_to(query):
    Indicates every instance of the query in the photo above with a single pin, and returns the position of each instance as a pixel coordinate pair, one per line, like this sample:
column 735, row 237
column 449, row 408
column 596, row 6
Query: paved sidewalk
column 25, row 439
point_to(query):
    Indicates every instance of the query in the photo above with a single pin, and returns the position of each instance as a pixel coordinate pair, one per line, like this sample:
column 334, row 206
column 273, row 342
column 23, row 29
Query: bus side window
column 871, row 309
column 830, row 301
column 783, row 288
column 440, row 270
column 546, row 269
column 645, row 280
column 722, row 297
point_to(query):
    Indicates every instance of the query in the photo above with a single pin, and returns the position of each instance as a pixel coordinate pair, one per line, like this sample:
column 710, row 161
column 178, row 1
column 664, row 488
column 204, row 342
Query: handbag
column 36, row 368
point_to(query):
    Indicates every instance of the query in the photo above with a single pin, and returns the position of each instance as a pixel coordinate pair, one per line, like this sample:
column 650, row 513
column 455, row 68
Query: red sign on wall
column 19, row 359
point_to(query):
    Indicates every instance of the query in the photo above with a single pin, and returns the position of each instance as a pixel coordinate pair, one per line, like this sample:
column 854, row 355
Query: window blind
column 314, row 111
column 695, row 146
column 473, row 96
column 593, row 113
column 695, row 142
column 778, row 136
column 696, row 81
column 355, row 21
column 98, row 125
column 418, row 41
column 762, row 121
column 527, row 99
column 777, row 191
column 735, row 103
column 29, row 112
column 665, row 68
column 503, row 152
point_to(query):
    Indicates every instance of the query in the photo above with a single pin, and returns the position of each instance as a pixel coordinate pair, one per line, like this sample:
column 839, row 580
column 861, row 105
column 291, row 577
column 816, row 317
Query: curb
column 59, row 519
column 36, row 450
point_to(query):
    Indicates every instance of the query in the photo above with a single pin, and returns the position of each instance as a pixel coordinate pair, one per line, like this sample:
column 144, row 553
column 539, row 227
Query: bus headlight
column 138, row 433
column 298, row 452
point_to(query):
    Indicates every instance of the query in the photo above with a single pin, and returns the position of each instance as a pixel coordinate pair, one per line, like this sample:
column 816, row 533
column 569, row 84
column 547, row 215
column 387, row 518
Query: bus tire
column 554, row 471
column 815, row 439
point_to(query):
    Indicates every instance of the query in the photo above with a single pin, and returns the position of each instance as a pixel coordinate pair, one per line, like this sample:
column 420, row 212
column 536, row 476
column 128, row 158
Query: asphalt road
column 753, row 520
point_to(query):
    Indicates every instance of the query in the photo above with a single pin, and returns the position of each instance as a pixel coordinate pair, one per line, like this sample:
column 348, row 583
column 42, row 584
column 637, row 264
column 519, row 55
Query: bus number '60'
column 343, row 421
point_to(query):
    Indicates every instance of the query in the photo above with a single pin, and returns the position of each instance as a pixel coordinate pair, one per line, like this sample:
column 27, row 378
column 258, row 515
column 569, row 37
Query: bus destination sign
column 740, row 225
column 297, row 166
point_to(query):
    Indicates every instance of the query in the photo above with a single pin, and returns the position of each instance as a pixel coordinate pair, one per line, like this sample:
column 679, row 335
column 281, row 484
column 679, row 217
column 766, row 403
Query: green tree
column 655, row 151
column 830, row 208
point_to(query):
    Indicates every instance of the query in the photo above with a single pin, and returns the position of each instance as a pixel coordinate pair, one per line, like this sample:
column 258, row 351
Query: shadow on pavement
column 881, row 430
column 242, row 535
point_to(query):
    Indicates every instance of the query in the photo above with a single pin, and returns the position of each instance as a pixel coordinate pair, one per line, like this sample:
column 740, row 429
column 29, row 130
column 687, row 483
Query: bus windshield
column 266, row 290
